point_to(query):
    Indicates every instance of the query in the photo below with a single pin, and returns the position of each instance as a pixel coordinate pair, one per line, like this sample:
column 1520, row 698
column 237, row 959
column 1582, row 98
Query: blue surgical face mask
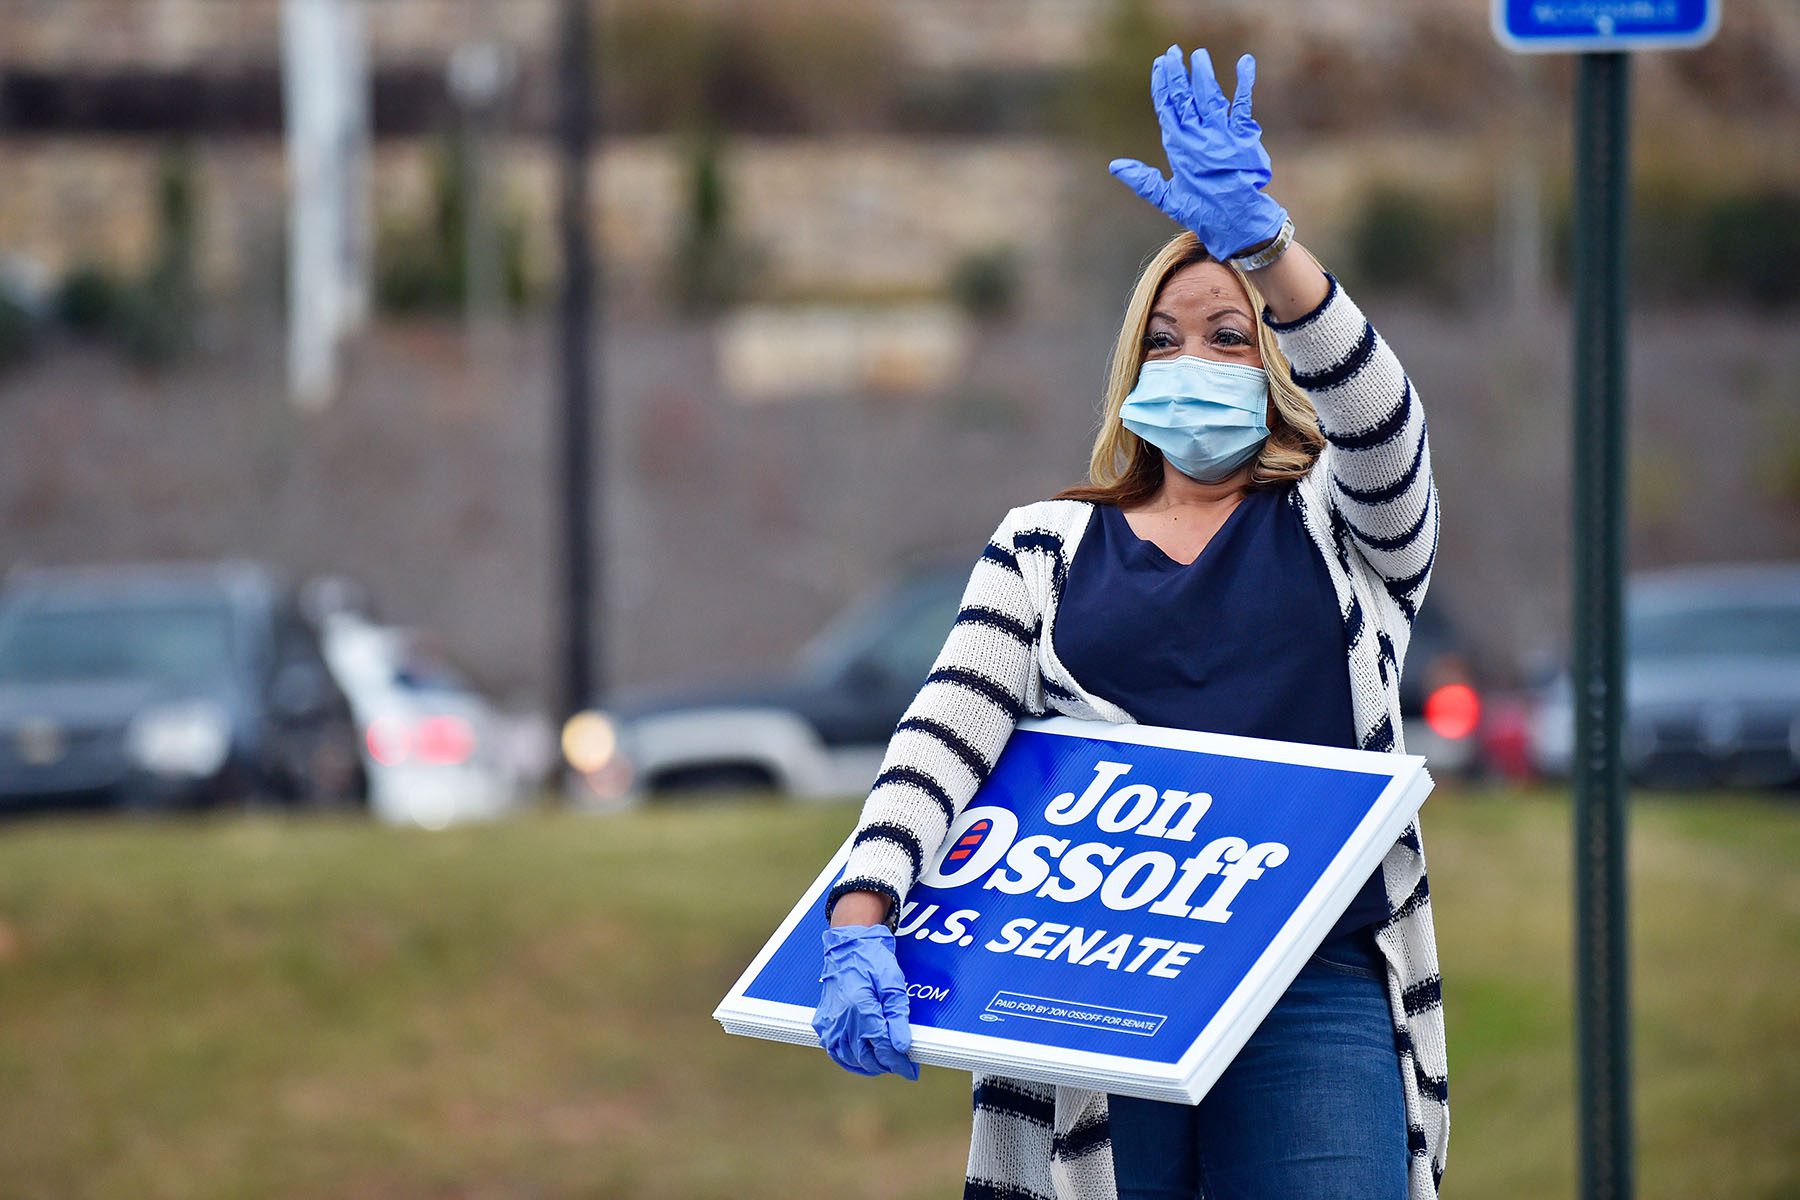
column 1208, row 418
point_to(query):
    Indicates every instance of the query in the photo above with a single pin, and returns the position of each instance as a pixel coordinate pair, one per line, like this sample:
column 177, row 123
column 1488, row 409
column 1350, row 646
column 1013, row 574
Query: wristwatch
column 1269, row 253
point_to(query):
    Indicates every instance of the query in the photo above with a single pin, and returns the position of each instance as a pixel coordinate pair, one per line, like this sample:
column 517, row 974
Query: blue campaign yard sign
column 1561, row 26
column 1118, row 906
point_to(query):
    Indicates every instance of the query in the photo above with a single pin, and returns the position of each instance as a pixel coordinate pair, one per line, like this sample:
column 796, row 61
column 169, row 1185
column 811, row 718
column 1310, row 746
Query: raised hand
column 1217, row 165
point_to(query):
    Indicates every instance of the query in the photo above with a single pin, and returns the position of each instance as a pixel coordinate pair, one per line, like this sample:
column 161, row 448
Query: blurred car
column 818, row 729
column 821, row 728
column 435, row 750
column 1442, row 710
column 1712, row 680
column 154, row 687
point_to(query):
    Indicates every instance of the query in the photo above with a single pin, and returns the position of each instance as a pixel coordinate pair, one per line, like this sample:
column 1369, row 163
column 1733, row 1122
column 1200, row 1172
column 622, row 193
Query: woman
column 1256, row 536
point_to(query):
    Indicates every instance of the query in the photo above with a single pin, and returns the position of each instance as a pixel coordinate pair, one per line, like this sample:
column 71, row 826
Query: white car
column 436, row 751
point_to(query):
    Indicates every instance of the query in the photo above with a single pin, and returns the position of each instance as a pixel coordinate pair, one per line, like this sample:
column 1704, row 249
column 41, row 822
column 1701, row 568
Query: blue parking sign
column 1563, row 26
column 1117, row 907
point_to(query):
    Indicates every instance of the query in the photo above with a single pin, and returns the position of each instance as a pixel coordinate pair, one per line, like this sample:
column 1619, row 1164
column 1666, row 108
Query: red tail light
column 389, row 741
column 444, row 741
column 1453, row 711
column 436, row 741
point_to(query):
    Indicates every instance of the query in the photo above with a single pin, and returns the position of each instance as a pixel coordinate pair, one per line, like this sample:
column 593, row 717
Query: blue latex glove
column 861, row 1018
column 1217, row 164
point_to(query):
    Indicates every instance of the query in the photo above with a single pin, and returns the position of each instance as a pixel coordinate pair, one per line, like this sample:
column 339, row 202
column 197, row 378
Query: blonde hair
column 1124, row 469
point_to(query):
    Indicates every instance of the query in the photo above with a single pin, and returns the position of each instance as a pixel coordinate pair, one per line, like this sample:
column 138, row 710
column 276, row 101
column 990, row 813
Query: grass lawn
column 260, row 1007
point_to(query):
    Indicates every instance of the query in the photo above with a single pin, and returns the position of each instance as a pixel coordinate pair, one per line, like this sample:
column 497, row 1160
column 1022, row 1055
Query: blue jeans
column 1312, row 1105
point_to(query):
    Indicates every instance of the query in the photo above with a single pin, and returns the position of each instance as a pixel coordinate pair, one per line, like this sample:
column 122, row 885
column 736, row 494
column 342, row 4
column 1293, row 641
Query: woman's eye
column 1158, row 341
column 1232, row 337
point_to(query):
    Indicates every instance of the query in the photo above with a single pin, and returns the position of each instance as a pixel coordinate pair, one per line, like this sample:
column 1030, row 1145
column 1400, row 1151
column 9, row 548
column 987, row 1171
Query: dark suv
column 821, row 727
column 166, row 687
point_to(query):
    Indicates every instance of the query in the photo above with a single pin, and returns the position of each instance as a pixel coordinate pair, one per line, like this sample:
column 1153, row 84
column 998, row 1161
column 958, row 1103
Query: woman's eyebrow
column 1229, row 310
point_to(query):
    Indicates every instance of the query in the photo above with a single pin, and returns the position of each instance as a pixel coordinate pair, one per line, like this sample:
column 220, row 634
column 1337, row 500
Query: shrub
column 88, row 300
column 1689, row 245
column 1106, row 102
column 157, row 314
column 151, row 316
column 18, row 332
column 785, row 66
column 1751, row 244
column 986, row 283
column 712, row 269
column 1409, row 240
column 421, row 260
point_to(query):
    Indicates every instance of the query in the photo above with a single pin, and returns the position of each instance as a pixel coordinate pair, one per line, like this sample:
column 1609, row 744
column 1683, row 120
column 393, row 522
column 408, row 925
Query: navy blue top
column 1245, row 640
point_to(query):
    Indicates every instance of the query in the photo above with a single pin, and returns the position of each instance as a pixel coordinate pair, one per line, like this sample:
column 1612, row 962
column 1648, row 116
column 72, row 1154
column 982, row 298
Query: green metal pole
column 1603, row 1038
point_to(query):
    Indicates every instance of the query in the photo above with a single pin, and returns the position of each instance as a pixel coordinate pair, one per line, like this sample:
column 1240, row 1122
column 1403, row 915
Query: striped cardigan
column 1370, row 506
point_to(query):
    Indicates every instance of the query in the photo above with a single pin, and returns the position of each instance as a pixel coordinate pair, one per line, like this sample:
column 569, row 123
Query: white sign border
column 1187, row 1079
